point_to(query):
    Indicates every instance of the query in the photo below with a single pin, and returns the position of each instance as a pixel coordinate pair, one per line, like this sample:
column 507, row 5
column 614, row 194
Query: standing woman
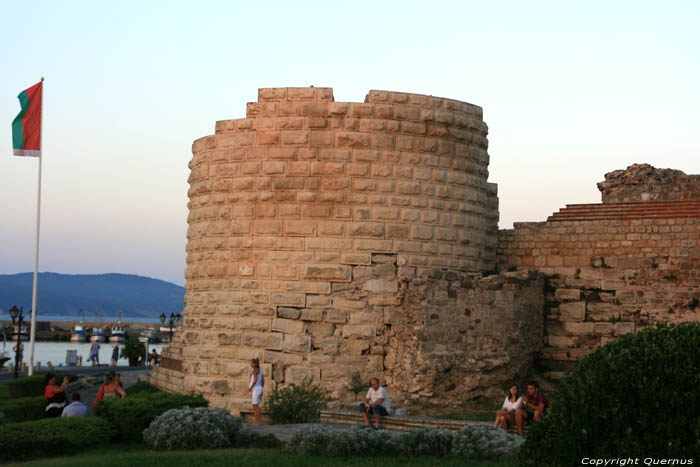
column 256, row 387
column 55, row 395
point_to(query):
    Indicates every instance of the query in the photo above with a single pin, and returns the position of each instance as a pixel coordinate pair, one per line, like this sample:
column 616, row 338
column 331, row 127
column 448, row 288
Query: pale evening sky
column 570, row 91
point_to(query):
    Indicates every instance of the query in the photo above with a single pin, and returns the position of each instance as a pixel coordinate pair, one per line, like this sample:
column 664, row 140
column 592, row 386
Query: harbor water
column 55, row 352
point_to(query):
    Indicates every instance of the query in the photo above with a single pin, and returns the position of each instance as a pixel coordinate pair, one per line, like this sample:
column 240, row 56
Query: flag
column 26, row 127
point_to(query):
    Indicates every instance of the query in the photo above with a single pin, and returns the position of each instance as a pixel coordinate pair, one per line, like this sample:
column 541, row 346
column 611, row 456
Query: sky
column 570, row 91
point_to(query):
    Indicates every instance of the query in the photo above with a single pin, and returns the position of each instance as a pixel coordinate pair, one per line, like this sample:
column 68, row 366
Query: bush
column 24, row 409
column 188, row 428
column 133, row 414
column 26, row 386
column 51, row 437
column 426, row 442
column 311, row 439
column 133, row 350
column 361, row 443
column 142, row 387
column 3, row 419
column 296, row 404
column 485, row 442
column 636, row 397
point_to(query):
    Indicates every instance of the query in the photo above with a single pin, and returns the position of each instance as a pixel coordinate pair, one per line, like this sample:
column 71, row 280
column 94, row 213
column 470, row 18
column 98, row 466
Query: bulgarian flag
column 26, row 127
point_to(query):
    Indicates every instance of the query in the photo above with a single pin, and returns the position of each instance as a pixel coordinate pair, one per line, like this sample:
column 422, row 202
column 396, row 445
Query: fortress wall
column 308, row 219
column 608, row 277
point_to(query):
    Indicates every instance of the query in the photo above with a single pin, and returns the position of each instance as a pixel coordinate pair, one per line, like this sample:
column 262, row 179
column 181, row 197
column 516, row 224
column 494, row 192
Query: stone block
column 567, row 295
column 309, row 314
column 301, row 344
column 572, row 311
column 624, row 328
column 288, row 299
column 288, row 326
column 336, row 316
column 269, row 340
column 229, row 338
column 255, row 324
column 327, row 272
column 342, row 302
column 381, row 285
column 320, row 329
column 238, row 369
column 281, row 358
column 358, row 330
column 288, row 313
column 296, row 374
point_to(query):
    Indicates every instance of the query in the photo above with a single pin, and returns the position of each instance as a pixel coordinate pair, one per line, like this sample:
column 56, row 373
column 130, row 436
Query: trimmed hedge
column 26, row 386
column 140, row 388
column 51, row 437
column 636, row 397
column 24, row 409
column 133, row 414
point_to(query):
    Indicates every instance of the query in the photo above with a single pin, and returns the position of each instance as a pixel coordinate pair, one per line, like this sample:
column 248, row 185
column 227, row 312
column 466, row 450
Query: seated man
column 377, row 402
column 535, row 404
column 75, row 408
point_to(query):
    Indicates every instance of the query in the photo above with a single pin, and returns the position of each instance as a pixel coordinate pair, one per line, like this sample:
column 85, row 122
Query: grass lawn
column 137, row 456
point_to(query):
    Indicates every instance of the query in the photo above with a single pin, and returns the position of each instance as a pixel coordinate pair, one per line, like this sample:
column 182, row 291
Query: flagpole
column 33, row 313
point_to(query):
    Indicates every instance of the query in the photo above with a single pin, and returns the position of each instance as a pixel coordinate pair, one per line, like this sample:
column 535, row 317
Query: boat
column 147, row 336
column 78, row 332
column 97, row 335
column 119, row 329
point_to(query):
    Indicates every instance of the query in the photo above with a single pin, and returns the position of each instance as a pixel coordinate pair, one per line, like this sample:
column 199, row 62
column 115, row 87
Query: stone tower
column 322, row 238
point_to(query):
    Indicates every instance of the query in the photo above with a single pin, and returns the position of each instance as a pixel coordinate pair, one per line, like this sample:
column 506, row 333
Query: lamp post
column 16, row 314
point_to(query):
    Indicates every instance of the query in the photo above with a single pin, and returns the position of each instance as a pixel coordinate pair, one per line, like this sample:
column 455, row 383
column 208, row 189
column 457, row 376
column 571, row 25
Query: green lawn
column 136, row 456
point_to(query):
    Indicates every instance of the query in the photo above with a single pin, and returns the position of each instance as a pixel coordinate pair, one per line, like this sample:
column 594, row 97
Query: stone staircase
column 395, row 423
column 640, row 210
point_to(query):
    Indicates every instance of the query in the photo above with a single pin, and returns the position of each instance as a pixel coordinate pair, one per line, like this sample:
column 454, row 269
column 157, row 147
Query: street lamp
column 16, row 314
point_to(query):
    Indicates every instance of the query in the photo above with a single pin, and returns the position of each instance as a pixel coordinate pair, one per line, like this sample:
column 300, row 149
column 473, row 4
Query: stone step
column 641, row 210
column 405, row 423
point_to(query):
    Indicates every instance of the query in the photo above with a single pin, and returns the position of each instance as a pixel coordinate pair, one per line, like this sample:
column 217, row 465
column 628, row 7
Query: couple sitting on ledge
column 377, row 402
column 517, row 410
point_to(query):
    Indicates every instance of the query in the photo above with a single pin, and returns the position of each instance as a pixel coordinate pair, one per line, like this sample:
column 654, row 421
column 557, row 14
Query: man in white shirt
column 377, row 402
column 75, row 408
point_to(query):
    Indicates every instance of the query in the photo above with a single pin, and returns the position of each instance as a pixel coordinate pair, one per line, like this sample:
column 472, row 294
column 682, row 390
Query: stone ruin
column 329, row 238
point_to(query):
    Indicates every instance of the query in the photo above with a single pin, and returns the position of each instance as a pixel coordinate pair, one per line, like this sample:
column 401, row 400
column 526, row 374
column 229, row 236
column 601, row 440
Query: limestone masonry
column 330, row 238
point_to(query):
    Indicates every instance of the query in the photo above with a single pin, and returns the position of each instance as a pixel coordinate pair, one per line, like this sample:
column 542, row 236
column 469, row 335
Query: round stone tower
column 307, row 221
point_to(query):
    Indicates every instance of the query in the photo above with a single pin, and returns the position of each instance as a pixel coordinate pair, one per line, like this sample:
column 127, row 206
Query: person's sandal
column 362, row 427
column 375, row 428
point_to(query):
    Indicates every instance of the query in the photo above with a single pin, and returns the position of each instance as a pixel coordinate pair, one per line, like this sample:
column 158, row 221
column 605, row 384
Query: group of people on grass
column 518, row 410
column 57, row 402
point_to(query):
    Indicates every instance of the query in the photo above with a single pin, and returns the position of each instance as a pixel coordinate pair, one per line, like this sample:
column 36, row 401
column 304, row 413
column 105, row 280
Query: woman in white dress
column 506, row 415
column 257, row 382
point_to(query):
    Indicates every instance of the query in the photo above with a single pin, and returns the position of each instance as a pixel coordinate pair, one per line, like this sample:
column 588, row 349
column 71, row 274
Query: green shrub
column 133, row 350
column 131, row 415
column 3, row 419
column 26, row 386
column 296, row 404
column 426, row 442
column 311, row 439
column 24, row 409
column 636, row 397
column 485, row 442
column 188, row 428
column 361, row 443
column 142, row 387
column 51, row 437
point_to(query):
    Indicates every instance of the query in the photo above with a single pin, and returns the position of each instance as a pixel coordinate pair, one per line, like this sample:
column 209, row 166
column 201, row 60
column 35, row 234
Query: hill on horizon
column 99, row 296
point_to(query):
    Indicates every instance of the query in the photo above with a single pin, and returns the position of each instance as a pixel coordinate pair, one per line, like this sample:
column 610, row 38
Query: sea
column 56, row 352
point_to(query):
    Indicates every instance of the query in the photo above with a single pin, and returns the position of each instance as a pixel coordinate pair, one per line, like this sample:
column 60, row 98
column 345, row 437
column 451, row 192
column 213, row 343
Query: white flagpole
column 33, row 314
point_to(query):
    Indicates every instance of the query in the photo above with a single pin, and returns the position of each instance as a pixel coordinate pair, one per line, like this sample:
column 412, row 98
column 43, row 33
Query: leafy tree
column 133, row 350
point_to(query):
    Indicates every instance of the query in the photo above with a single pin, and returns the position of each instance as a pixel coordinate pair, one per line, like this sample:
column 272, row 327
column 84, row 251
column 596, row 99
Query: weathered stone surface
column 572, row 311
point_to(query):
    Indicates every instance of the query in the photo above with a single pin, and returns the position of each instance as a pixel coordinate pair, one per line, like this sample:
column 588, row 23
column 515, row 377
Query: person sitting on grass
column 377, row 402
column 505, row 417
column 75, row 408
column 55, row 395
column 534, row 407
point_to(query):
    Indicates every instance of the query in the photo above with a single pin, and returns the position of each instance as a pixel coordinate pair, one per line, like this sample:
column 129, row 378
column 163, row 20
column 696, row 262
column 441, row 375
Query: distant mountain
column 98, row 295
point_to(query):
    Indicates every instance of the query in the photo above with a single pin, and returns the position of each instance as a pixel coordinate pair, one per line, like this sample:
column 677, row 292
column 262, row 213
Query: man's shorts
column 374, row 408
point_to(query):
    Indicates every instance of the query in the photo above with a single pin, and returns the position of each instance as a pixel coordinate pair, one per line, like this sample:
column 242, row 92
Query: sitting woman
column 110, row 389
column 55, row 395
column 506, row 415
